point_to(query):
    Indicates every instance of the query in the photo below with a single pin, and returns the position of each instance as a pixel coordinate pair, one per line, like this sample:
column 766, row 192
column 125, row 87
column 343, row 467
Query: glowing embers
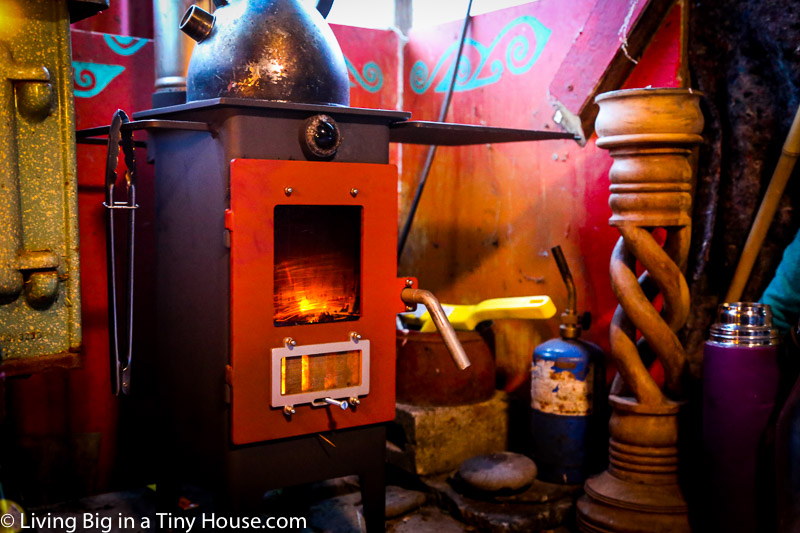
column 318, row 288
column 317, row 264
column 320, row 372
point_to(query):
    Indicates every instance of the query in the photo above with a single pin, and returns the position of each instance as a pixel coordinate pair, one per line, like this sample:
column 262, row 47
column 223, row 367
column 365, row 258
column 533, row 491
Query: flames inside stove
column 317, row 276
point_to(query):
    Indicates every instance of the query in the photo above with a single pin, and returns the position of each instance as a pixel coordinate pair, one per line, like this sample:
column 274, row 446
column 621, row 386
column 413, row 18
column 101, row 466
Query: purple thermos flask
column 740, row 385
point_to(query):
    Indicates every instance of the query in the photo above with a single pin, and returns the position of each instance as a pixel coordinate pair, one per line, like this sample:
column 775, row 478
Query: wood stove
column 277, row 292
column 276, row 234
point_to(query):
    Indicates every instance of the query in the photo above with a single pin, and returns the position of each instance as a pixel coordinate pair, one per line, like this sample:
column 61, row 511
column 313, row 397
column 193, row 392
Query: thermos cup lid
column 744, row 323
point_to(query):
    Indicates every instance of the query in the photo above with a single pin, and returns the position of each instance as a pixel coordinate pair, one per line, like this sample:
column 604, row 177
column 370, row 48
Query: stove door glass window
column 320, row 372
column 317, row 274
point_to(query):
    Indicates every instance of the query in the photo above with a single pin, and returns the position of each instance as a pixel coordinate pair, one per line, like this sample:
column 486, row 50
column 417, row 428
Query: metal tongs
column 120, row 350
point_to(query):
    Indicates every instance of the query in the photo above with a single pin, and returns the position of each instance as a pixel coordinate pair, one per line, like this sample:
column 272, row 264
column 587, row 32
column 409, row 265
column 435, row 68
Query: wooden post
column 650, row 134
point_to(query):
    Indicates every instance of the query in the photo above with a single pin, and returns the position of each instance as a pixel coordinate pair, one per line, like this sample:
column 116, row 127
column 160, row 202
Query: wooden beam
column 683, row 73
column 602, row 56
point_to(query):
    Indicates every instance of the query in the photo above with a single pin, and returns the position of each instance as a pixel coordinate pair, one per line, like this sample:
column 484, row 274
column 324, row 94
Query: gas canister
column 568, row 398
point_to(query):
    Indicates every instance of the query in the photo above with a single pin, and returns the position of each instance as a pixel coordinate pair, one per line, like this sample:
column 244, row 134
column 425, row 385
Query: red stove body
column 313, row 296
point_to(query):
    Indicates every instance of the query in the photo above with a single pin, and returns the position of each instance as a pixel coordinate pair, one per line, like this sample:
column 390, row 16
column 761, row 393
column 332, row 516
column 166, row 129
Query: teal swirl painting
column 124, row 45
column 519, row 53
column 370, row 78
column 91, row 78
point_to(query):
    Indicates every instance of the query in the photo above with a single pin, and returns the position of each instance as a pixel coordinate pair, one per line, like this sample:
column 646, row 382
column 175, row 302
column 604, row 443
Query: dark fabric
column 745, row 56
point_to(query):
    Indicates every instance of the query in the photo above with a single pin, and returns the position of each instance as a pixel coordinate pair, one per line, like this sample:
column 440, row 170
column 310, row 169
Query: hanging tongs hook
column 121, row 346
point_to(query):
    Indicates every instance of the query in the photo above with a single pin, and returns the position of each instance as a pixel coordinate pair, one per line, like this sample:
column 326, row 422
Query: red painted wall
column 490, row 214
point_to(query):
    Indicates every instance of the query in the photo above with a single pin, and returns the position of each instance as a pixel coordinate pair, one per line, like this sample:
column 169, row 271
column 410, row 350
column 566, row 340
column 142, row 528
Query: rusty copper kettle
column 279, row 50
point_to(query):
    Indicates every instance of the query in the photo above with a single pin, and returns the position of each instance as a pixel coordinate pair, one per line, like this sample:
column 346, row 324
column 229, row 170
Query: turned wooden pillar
column 650, row 134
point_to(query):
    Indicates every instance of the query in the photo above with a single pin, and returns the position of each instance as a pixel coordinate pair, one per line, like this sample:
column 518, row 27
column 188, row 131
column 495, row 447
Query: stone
column 434, row 440
column 331, row 488
column 400, row 501
column 341, row 514
column 522, row 513
column 137, row 505
column 498, row 471
column 541, row 492
column 427, row 520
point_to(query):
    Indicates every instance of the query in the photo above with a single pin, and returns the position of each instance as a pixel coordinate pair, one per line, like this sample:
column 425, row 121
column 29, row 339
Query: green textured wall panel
column 39, row 274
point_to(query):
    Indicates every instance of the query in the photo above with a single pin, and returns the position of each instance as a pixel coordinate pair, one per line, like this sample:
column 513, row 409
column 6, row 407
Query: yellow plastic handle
column 466, row 317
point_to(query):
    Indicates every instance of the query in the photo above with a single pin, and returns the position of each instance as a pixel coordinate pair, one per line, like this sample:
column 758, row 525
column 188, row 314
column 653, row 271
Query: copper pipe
column 777, row 184
column 431, row 303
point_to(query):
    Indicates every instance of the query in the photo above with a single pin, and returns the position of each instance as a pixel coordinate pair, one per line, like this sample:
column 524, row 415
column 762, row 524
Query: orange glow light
column 321, row 288
column 305, row 375
column 318, row 372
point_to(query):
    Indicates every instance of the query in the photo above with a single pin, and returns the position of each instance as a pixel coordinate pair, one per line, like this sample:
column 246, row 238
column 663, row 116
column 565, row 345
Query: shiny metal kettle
column 279, row 50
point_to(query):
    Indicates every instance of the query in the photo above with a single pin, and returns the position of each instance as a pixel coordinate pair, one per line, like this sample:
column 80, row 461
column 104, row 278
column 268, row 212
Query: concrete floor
column 127, row 512
column 330, row 507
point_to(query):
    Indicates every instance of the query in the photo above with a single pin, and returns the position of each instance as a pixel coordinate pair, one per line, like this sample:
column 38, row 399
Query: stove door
column 313, row 275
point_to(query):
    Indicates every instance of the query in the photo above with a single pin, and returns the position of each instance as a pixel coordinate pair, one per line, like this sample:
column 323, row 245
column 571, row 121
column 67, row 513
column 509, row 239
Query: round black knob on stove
column 320, row 137
column 326, row 136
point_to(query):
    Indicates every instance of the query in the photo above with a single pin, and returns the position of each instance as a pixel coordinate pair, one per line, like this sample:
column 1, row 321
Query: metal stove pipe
column 173, row 50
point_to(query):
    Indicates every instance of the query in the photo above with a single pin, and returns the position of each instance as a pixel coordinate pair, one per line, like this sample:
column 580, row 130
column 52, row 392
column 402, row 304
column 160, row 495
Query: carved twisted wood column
column 650, row 134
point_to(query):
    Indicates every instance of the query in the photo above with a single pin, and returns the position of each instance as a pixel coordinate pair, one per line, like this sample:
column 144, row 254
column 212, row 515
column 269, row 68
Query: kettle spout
column 197, row 23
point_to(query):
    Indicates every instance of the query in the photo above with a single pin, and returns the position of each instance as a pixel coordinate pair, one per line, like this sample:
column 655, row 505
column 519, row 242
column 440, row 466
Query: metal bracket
column 81, row 9
column 120, row 205
column 95, row 135
column 445, row 134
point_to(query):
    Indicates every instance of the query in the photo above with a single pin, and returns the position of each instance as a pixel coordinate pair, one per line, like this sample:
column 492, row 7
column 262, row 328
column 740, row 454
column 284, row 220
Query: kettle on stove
column 279, row 50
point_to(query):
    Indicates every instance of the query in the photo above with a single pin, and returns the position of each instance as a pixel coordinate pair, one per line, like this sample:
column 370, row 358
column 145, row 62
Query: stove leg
column 372, row 479
column 373, row 498
column 168, row 493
